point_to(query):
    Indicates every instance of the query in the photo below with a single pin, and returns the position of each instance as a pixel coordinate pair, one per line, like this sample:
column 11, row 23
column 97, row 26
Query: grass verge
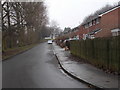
column 14, row 51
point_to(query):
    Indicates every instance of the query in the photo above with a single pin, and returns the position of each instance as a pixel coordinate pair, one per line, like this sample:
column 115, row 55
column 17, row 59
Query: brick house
column 106, row 24
column 110, row 23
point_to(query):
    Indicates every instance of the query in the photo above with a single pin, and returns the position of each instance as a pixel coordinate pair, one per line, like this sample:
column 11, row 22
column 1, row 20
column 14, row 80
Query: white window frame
column 97, row 21
column 94, row 22
column 86, row 25
column 115, row 32
column 90, row 24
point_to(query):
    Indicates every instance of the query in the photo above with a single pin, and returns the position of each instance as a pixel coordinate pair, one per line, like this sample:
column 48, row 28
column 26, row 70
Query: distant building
column 47, row 38
column 67, row 30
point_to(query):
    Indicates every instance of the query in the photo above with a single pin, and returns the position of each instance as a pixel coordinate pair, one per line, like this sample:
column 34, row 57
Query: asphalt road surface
column 36, row 68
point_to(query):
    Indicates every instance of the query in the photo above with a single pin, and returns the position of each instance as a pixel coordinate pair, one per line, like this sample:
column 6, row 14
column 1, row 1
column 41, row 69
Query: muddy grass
column 14, row 51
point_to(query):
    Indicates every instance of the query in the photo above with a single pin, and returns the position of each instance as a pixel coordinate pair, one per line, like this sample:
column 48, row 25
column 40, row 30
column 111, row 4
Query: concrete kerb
column 74, row 76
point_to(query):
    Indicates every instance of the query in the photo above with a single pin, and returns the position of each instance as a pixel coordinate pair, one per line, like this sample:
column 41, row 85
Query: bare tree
column 22, row 22
column 98, row 12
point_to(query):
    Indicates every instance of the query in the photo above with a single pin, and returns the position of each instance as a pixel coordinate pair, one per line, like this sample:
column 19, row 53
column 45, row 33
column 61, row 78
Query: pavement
column 84, row 71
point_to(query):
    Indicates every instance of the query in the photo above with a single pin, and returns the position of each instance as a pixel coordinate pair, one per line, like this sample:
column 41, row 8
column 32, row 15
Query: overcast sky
column 70, row 13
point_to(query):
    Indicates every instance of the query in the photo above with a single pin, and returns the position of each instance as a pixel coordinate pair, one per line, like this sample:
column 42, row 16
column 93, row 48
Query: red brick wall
column 94, row 27
column 119, row 18
column 83, row 30
column 108, row 21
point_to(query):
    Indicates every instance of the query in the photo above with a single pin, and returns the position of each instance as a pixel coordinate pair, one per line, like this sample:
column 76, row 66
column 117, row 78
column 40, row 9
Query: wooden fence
column 103, row 52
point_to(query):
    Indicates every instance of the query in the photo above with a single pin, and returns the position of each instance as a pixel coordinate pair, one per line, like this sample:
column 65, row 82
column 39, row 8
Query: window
column 97, row 20
column 94, row 21
column 86, row 26
column 84, row 36
column 115, row 32
column 92, row 37
column 97, row 30
column 90, row 24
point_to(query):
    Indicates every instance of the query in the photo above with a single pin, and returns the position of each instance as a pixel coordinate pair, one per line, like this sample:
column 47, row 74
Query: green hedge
column 103, row 52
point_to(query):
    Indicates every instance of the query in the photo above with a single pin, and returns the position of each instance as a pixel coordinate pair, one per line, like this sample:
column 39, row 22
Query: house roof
column 98, row 16
column 76, row 28
column 116, row 7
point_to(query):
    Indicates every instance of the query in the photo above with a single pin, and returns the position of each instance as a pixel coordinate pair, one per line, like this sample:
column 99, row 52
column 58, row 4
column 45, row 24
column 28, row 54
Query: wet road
column 36, row 68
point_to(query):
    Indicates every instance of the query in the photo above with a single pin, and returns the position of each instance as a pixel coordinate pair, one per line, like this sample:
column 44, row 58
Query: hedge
column 103, row 52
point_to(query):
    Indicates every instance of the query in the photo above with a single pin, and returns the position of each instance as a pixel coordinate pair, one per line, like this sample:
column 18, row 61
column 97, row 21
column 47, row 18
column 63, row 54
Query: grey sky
column 70, row 13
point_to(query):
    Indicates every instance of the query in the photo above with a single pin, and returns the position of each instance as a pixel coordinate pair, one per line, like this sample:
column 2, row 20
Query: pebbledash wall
column 105, row 25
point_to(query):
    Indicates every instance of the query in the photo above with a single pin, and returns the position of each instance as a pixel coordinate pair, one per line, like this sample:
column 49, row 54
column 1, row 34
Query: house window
column 94, row 22
column 84, row 36
column 90, row 24
column 97, row 30
column 86, row 26
column 115, row 32
column 92, row 36
column 97, row 20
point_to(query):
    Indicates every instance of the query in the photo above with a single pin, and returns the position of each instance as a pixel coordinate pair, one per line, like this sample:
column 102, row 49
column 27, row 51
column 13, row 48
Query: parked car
column 49, row 42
